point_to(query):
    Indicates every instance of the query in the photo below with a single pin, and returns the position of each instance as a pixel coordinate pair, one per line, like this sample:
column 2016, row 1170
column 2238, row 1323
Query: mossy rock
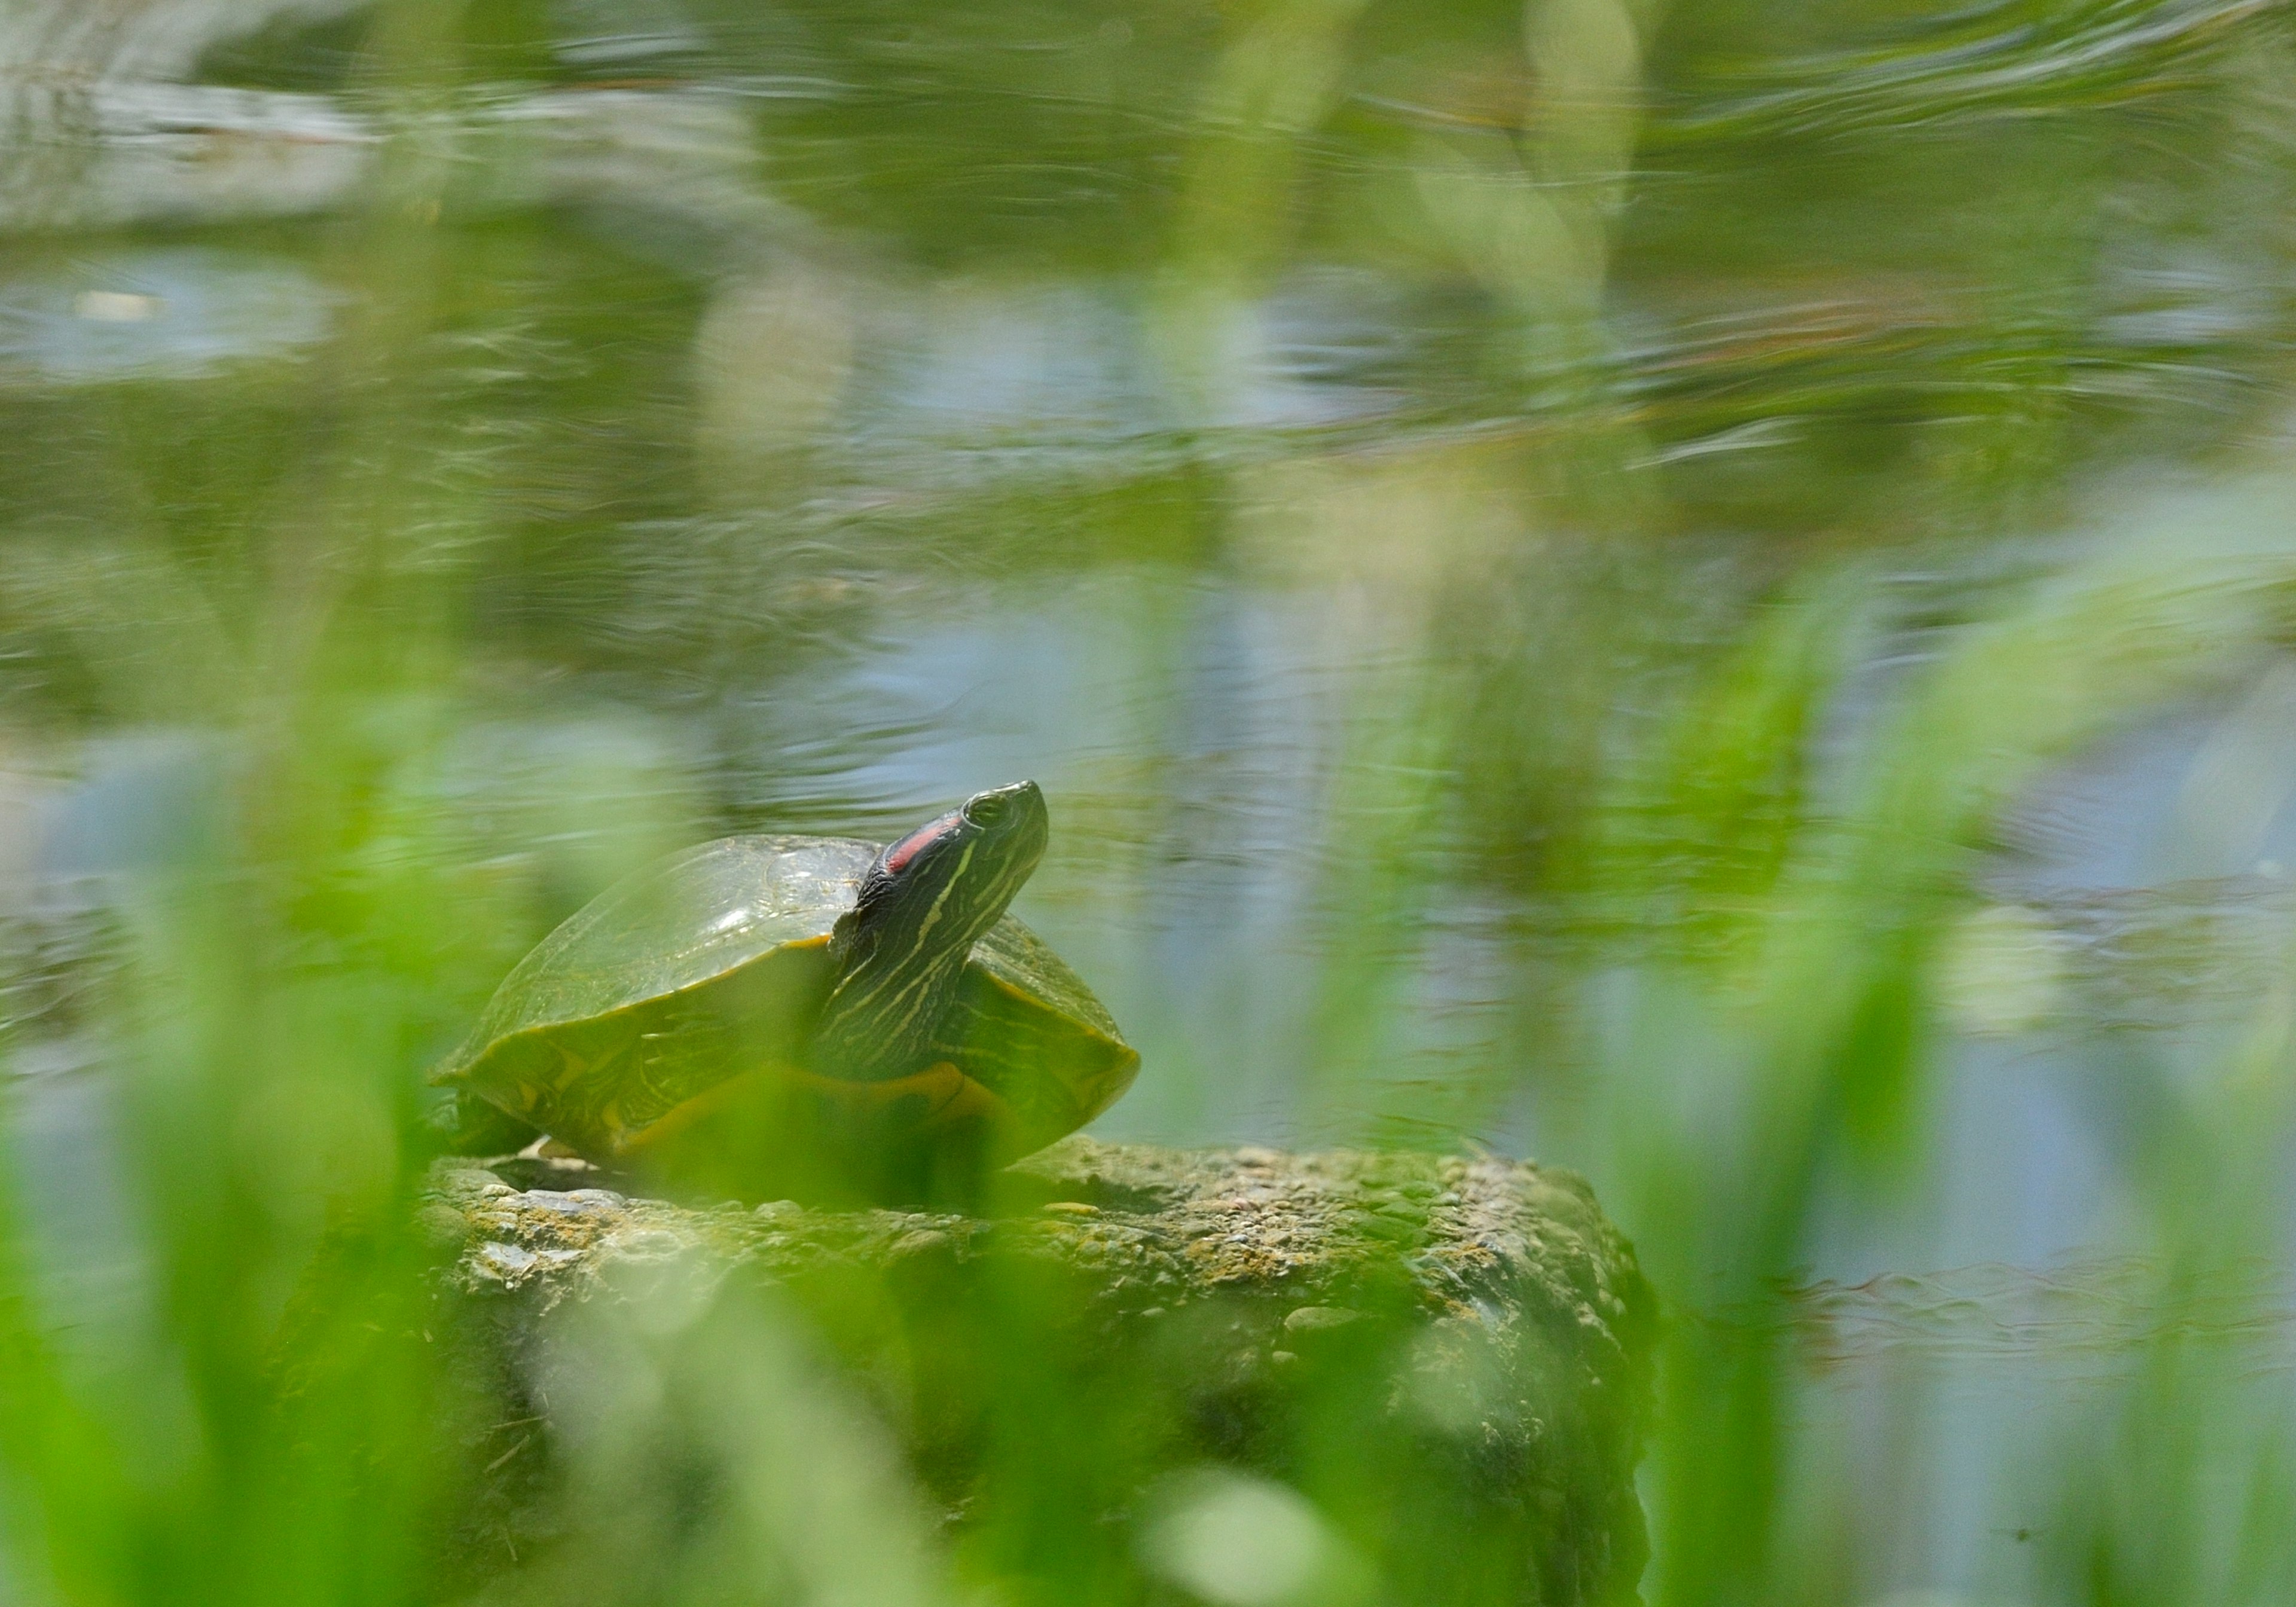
column 1454, row 1349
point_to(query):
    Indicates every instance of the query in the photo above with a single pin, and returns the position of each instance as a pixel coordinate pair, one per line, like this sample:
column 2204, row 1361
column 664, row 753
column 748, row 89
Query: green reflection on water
column 1548, row 560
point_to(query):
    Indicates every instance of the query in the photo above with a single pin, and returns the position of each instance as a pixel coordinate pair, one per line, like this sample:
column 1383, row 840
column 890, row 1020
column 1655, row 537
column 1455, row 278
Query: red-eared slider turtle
column 804, row 985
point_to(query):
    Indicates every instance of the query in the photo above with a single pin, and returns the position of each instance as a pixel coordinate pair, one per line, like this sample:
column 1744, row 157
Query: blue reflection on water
column 148, row 313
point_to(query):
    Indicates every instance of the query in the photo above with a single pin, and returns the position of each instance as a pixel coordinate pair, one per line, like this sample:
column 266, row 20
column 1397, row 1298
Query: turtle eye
column 987, row 809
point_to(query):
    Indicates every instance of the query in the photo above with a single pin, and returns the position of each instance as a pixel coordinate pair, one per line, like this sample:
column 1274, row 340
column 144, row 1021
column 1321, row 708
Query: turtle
column 753, row 996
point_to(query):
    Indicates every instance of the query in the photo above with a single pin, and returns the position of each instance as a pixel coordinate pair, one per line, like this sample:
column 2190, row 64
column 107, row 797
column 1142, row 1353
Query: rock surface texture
column 1472, row 1331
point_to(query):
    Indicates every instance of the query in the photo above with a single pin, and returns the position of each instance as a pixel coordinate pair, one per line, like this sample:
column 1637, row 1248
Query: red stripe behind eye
column 916, row 842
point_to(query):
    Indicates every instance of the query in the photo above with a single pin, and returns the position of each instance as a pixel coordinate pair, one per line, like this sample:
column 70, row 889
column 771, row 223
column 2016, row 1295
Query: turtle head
column 949, row 882
column 921, row 907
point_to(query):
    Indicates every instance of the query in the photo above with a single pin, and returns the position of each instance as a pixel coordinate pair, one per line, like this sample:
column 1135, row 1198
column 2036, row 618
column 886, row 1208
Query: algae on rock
column 1453, row 1347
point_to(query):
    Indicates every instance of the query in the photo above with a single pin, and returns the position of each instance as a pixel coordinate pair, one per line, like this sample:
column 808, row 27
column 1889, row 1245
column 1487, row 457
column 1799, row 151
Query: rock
column 1472, row 1329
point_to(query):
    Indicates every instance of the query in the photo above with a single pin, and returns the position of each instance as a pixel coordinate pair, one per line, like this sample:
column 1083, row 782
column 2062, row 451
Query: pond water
column 1334, row 447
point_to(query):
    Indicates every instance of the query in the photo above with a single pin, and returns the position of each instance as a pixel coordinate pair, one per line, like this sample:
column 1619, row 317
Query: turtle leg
column 927, row 1138
column 466, row 1125
column 778, row 1131
column 936, row 1098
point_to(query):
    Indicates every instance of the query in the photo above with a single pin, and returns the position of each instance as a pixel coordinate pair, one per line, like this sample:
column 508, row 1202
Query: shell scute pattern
column 1026, row 1029
column 716, row 963
column 673, row 926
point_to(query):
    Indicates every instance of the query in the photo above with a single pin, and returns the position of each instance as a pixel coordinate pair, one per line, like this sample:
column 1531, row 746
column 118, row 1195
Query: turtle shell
column 714, row 964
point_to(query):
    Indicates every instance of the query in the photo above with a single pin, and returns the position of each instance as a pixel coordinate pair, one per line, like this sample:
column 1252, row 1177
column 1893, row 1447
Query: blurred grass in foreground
column 1879, row 302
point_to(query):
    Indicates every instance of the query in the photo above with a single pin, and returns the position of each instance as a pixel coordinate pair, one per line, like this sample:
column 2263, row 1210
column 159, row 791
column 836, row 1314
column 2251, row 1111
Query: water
column 1327, row 461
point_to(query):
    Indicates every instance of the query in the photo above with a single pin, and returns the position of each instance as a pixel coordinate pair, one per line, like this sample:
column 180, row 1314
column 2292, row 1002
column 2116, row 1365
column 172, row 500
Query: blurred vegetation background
column 1703, row 593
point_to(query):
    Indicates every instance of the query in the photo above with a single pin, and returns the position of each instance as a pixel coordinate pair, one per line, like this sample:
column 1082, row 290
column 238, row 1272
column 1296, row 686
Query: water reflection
column 156, row 314
column 1193, row 715
column 1343, row 479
